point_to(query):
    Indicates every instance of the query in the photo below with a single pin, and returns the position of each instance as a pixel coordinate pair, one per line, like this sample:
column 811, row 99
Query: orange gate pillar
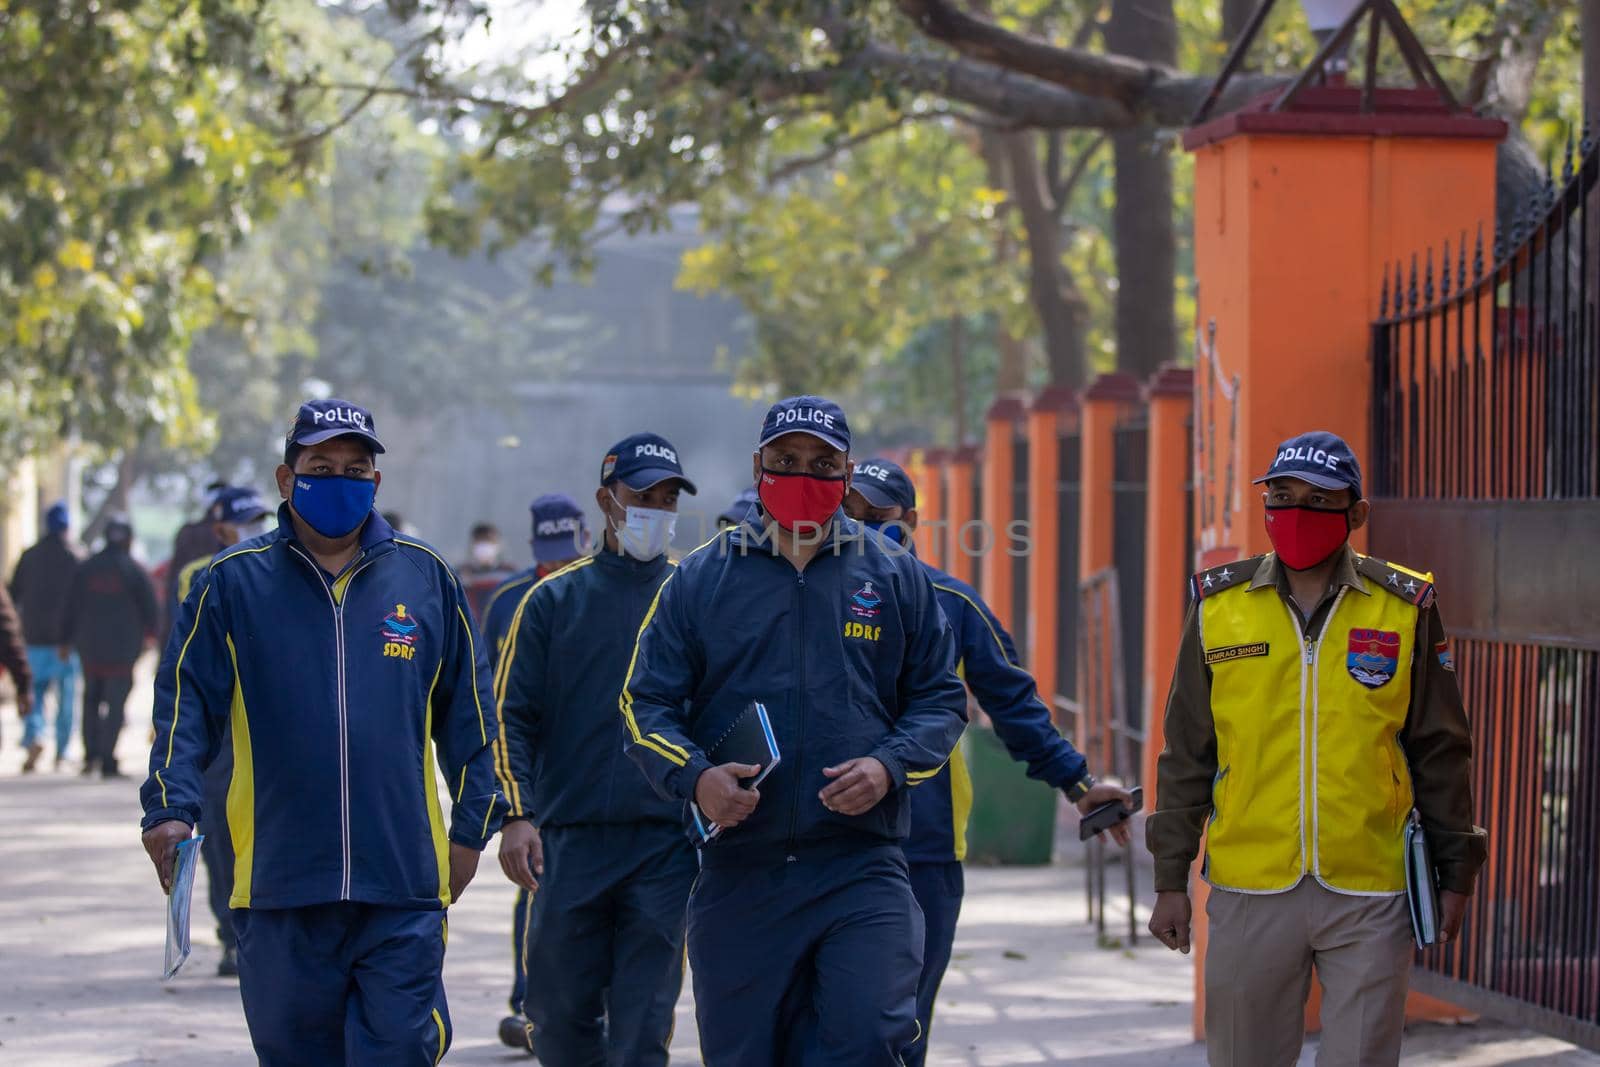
column 999, row 474
column 927, row 475
column 1168, row 397
column 1047, row 586
column 1297, row 212
column 961, row 542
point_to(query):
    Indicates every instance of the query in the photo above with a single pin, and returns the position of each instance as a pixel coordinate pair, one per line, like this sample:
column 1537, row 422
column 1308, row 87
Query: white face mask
column 647, row 531
column 247, row 530
column 485, row 552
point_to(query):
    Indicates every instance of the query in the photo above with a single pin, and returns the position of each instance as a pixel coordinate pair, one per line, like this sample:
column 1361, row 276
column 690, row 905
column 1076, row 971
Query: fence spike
column 1411, row 290
column 1383, row 300
column 1586, row 140
column 1461, row 261
column 1566, row 164
column 1444, row 273
column 1399, row 286
column 1427, row 280
column 1477, row 256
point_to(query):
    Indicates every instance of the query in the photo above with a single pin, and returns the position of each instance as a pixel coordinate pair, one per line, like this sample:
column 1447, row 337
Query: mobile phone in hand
column 1108, row 815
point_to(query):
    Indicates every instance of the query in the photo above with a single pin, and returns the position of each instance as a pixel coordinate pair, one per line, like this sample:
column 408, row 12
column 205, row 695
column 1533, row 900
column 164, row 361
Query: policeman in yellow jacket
column 1313, row 707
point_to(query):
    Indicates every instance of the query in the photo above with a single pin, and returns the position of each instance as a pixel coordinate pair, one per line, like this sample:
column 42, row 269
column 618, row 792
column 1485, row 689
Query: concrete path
column 81, row 942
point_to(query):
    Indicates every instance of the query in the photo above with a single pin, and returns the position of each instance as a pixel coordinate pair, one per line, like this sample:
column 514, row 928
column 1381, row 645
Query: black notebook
column 1422, row 889
column 748, row 740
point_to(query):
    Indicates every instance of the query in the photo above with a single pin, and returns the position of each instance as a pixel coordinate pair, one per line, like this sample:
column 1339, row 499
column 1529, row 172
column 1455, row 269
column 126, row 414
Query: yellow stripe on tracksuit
column 502, row 675
column 674, row 754
column 240, row 810
column 436, row 828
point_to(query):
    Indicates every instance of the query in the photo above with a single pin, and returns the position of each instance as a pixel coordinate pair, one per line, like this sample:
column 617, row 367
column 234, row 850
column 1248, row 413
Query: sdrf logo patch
column 865, row 602
column 1374, row 655
column 399, row 634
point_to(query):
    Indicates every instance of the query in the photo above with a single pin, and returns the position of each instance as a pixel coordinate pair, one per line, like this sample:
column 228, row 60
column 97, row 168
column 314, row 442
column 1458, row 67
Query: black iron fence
column 1486, row 442
column 1129, row 488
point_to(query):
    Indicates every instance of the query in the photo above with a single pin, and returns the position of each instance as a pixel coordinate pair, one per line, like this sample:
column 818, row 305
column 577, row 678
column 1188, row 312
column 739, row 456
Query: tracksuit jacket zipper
column 344, row 713
column 800, row 713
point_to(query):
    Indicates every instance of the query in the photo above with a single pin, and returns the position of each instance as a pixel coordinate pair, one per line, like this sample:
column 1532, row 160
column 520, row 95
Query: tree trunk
column 1012, row 374
column 129, row 467
column 1142, row 226
column 1055, row 296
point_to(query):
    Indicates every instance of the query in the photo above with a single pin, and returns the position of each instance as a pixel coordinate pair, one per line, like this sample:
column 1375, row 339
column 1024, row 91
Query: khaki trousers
column 1259, row 956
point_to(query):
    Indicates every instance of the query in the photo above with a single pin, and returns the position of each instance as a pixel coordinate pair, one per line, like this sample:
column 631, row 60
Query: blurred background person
column 39, row 588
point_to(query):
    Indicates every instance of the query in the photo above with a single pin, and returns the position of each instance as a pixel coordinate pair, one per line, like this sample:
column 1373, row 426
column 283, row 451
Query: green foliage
column 132, row 152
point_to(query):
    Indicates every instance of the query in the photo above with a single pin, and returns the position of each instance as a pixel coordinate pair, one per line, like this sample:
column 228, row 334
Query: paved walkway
column 81, row 941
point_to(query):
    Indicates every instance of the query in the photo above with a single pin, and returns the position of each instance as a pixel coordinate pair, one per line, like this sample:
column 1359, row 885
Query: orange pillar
column 1105, row 402
column 960, row 542
column 1046, row 590
column 927, row 475
column 999, row 472
column 1298, row 213
column 1168, row 398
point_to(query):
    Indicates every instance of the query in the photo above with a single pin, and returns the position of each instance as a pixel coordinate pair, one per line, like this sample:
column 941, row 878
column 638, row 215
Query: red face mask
column 793, row 499
column 1304, row 537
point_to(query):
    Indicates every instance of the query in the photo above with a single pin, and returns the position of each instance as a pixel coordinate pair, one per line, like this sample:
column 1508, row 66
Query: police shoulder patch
column 1213, row 581
column 1414, row 587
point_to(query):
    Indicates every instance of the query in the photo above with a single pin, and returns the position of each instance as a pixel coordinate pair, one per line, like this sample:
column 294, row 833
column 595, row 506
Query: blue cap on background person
column 884, row 483
column 815, row 415
column 240, row 505
column 1319, row 458
column 559, row 529
column 57, row 519
column 741, row 507
column 320, row 420
column 642, row 460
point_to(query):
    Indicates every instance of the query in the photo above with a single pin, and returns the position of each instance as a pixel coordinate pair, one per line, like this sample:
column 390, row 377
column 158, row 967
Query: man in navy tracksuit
column 605, row 936
column 804, row 938
column 882, row 496
column 560, row 537
column 337, row 654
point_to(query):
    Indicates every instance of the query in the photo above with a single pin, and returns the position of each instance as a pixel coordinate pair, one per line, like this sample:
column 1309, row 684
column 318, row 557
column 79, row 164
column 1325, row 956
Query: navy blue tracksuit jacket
column 609, row 913
column 988, row 663
column 803, row 937
column 336, row 691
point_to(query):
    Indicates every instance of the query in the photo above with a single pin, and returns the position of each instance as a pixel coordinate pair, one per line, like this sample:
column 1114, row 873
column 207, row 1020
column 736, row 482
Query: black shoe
column 229, row 967
column 112, row 772
column 514, row 1032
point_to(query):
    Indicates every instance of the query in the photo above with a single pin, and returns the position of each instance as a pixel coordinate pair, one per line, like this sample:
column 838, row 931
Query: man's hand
column 161, row 845
column 857, row 786
column 463, row 865
column 1169, row 922
column 1104, row 793
column 522, row 853
column 720, row 797
column 1452, row 911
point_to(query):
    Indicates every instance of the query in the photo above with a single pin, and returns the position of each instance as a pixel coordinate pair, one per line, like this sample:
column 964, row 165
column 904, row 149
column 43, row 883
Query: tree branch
column 791, row 167
column 1061, row 190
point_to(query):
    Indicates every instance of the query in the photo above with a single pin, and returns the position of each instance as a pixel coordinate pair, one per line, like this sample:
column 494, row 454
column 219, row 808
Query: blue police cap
column 815, row 415
column 320, row 420
column 560, row 530
column 884, row 483
column 1320, row 458
column 239, row 505
column 742, row 506
column 58, row 519
column 643, row 460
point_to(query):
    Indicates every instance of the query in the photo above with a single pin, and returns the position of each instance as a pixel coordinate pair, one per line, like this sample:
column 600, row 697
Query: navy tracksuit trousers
column 519, row 949
column 605, row 943
column 805, row 959
column 343, row 985
column 938, row 888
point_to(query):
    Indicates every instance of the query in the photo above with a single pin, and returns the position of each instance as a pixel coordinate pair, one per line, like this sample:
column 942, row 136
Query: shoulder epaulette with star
column 1414, row 587
column 1215, row 580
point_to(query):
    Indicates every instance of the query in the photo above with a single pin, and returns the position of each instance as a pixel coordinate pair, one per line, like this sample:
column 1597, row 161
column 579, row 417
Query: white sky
column 540, row 37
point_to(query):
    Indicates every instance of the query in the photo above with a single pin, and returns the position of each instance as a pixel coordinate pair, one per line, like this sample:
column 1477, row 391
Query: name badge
column 1223, row 655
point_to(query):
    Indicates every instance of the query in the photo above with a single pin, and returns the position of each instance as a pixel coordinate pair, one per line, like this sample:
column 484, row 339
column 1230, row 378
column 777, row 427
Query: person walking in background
column 1313, row 707
column 882, row 497
column 805, row 940
column 742, row 508
column 485, row 569
column 608, row 860
column 338, row 657
column 241, row 515
column 13, row 654
column 560, row 535
column 195, row 539
column 110, row 620
column 40, row 587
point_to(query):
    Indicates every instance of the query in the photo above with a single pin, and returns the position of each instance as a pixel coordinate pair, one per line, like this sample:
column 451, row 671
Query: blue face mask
column 331, row 504
column 892, row 530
